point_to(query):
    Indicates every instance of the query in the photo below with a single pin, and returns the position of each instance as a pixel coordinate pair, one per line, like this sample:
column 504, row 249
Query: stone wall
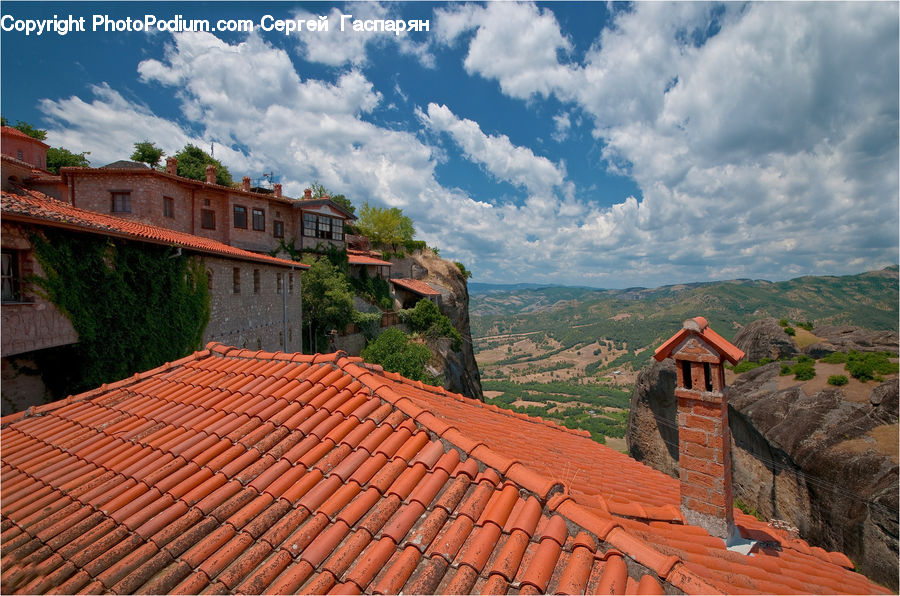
column 32, row 323
column 250, row 314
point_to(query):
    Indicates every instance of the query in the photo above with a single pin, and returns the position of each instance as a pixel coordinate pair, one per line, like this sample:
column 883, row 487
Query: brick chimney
column 704, row 441
column 277, row 190
column 307, row 194
column 210, row 174
column 245, row 183
column 172, row 166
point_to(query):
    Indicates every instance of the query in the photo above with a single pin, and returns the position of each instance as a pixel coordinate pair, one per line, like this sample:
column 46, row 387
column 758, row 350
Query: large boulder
column 765, row 339
column 848, row 337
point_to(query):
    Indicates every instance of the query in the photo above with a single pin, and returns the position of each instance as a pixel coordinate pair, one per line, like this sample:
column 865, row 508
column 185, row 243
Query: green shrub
column 785, row 369
column 462, row 269
column 804, row 371
column 838, row 380
column 804, row 358
column 369, row 323
column 790, row 331
column 427, row 319
column 835, row 358
column 742, row 367
column 867, row 366
column 783, row 322
column 394, row 351
column 807, row 326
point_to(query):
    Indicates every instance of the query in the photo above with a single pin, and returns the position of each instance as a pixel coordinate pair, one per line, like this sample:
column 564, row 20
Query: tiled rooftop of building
column 15, row 132
column 251, row 472
column 366, row 260
column 416, row 286
column 34, row 206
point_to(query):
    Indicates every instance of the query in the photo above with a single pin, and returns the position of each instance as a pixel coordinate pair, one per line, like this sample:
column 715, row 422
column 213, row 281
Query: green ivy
column 134, row 306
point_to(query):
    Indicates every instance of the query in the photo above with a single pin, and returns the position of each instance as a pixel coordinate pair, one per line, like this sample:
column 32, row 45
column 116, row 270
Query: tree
column 192, row 162
column 60, row 157
column 319, row 191
column 31, row 131
column 385, row 226
column 394, row 351
column 149, row 153
column 327, row 300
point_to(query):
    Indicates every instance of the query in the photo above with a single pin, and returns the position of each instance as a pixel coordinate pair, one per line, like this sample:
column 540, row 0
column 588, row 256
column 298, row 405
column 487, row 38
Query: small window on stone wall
column 279, row 283
column 256, row 281
column 207, row 219
column 259, row 220
column 240, row 216
column 209, row 280
column 10, row 278
column 121, row 202
column 278, row 229
column 168, row 207
column 236, row 280
column 290, row 283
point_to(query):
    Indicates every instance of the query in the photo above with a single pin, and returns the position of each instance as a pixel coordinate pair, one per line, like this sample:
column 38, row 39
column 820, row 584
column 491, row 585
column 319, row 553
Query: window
column 207, row 219
column 236, row 280
column 309, row 224
column 240, row 216
column 337, row 229
column 168, row 207
column 121, row 202
column 686, row 374
column 256, row 281
column 324, row 227
column 278, row 229
column 10, row 276
column 259, row 220
column 279, row 283
column 707, row 376
column 209, row 285
column 19, row 154
column 290, row 283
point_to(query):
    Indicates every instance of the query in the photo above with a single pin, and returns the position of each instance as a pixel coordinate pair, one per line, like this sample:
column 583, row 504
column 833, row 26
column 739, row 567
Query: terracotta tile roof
column 243, row 471
column 416, row 286
column 699, row 326
column 15, row 132
column 365, row 260
column 34, row 206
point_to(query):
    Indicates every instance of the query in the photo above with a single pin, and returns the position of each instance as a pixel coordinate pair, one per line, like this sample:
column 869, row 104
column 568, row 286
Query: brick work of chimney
column 704, row 441
column 307, row 194
column 210, row 174
column 172, row 166
column 245, row 183
column 277, row 192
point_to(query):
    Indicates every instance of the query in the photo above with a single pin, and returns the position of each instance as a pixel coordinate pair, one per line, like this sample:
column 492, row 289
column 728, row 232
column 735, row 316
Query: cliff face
column 823, row 459
column 458, row 370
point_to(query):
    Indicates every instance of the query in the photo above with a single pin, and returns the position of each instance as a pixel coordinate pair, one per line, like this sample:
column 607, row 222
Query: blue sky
column 608, row 145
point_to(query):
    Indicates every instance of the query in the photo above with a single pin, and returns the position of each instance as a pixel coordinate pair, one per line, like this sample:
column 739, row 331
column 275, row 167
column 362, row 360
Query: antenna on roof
column 268, row 178
column 212, row 149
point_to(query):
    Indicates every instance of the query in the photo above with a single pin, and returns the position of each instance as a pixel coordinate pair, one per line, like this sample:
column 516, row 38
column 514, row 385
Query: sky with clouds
column 607, row 145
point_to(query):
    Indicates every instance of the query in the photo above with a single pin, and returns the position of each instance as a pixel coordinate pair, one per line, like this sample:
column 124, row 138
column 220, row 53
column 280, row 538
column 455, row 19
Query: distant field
column 581, row 340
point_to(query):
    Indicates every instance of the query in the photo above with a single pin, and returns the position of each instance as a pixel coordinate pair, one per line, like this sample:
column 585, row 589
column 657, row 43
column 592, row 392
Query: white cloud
column 561, row 124
column 505, row 161
column 761, row 135
column 337, row 47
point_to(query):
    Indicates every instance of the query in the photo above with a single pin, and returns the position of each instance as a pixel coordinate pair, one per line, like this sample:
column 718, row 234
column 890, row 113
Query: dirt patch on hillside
column 881, row 439
column 620, row 316
column 855, row 390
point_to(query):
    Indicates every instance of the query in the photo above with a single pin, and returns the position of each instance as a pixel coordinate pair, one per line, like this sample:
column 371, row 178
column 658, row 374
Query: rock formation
column 765, row 339
column 825, row 463
column 458, row 370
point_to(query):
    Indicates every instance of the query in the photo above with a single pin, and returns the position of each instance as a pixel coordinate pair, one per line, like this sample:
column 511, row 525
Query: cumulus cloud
column 761, row 136
column 337, row 47
column 505, row 161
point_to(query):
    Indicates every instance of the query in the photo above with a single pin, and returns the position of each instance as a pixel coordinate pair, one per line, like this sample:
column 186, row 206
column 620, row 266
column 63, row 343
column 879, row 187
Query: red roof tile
column 366, row 260
column 416, row 286
column 33, row 206
column 15, row 132
column 208, row 475
column 699, row 326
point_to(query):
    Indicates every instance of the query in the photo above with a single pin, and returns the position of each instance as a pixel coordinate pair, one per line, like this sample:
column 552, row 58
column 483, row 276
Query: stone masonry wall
column 246, row 317
column 33, row 323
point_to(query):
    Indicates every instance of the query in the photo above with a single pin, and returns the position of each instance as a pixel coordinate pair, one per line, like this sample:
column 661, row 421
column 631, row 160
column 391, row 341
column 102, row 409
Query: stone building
column 255, row 298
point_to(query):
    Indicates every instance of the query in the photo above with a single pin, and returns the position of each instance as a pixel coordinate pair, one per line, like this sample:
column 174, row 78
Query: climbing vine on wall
column 134, row 306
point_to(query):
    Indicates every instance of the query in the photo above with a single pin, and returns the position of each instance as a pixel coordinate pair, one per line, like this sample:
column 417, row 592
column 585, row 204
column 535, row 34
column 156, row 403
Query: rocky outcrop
column 765, row 339
column 822, row 462
column 843, row 338
column 458, row 370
